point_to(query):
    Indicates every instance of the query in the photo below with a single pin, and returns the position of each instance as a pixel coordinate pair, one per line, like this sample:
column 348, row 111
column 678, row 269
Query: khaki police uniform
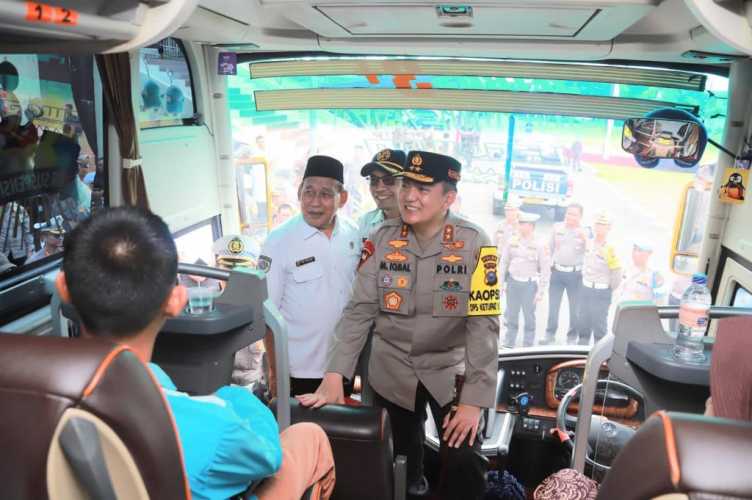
column 527, row 265
column 643, row 285
column 601, row 274
column 430, row 322
column 567, row 253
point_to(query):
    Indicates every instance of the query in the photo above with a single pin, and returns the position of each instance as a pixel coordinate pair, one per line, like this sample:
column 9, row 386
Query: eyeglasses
column 387, row 180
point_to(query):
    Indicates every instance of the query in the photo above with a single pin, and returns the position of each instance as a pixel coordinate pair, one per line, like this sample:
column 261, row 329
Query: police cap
column 324, row 166
column 513, row 202
column 391, row 161
column 528, row 217
column 643, row 244
column 603, row 218
column 235, row 250
column 428, row 168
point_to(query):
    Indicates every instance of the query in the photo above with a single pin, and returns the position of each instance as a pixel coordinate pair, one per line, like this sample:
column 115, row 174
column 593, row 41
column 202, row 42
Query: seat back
column 361, row 439
column 56, row 393
column 681, row 453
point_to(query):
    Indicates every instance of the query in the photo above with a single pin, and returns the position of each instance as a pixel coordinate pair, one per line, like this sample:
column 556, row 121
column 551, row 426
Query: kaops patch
column 485, row 297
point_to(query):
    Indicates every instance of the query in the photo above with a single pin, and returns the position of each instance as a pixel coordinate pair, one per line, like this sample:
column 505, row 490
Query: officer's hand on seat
column 330, row 391
column 464, row 422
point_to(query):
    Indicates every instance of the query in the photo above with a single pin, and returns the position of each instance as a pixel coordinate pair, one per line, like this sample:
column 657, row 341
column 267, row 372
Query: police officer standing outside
column 568, row 242
column 642, row 282
column 527, row 263
column 428, row 283
column 384, row 186
column 310, row 265
column 601, row 275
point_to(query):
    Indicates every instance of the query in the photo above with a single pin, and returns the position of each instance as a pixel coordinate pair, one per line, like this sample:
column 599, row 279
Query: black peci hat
column 429, row 168
column 391, row 161
column 324, row 166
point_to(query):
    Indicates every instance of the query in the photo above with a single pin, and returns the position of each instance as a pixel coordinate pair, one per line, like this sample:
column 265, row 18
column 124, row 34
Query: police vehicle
column 205, row 111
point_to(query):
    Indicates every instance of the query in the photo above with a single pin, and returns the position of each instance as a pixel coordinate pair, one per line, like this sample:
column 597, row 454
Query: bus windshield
column 539, row 144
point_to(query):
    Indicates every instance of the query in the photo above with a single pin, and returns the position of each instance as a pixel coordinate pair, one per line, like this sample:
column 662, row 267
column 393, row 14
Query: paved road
column 632, row 215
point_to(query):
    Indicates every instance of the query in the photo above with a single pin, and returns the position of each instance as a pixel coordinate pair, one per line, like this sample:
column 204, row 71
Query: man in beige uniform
column 528, row 265
column 567, row 251
column 428, row 283
column 601, row 275
column 510, row 225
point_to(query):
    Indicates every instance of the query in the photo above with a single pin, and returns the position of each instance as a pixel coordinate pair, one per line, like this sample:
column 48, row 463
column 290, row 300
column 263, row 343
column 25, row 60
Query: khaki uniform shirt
column 642, row 285
column 417, row 301
column 567, row 245
column 504, row 235
column 526, row 259
column 601, row 264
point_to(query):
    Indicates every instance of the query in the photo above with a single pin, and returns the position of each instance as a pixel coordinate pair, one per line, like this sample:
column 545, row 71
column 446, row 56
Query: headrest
column 683, row 453
column 42, row 377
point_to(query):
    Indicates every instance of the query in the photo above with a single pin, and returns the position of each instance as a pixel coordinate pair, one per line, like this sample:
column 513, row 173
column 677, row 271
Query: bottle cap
column 699, row 278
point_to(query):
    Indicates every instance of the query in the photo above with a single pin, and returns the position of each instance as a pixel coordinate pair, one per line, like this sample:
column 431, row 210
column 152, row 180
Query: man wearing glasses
column 384, row 189
column 310, row 267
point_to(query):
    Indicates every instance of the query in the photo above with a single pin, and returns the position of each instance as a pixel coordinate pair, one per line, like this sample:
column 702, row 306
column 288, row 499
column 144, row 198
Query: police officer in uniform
column 567, row 251
column 384, row 186
column 601, row 275
column 527, row 264
column 428, row 283
column 642, row 282
column 310, row 265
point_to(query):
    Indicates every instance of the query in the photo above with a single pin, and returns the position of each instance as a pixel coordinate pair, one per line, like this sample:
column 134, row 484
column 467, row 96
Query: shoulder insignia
column 366, row 252
column 612, row 260
column 448, row 236
column 404, row 231
column 398, row 243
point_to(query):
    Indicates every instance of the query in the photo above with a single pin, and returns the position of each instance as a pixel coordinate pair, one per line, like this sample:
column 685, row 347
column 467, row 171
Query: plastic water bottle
column 694, row 310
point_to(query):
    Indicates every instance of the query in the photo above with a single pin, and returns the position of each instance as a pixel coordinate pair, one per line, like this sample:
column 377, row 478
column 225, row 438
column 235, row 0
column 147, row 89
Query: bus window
column 561, row 147
column 166, row 86
column 51, row 153
column 742, row 297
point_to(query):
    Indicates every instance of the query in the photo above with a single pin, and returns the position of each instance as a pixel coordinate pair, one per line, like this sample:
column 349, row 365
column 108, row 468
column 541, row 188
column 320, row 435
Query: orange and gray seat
column 683, row 456
column 84, row 418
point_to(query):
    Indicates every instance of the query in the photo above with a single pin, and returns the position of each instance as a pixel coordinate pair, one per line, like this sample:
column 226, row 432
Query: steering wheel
column 608, row 436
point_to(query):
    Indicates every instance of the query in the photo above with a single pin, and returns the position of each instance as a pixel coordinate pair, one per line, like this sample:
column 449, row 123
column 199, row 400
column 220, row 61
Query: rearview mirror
column 651, row 138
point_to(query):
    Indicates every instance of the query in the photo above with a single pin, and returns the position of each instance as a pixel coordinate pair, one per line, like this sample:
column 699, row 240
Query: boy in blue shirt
column 120, row 272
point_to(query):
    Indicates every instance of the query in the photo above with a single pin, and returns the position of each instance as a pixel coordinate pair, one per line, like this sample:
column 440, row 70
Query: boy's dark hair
column 120, row 265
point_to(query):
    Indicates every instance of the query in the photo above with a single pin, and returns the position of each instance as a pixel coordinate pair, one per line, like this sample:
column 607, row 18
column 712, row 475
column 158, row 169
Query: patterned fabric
column 566, row 484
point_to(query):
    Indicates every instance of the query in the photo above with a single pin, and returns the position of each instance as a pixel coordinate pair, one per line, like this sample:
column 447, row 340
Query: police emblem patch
column 451, row 286
column 264, row 263
column 235, row 246
column 450, row 302
column 417, row 161
column 384, row 155
column 392, row 301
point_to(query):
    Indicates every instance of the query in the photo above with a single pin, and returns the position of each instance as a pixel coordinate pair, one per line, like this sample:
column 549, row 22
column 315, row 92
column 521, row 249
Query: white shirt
column 309, row 278
column 368, row 222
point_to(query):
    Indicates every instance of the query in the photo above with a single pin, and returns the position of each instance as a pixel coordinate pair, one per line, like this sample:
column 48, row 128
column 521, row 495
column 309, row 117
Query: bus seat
column 84, row 418
column 361, row 439
column 683, row 453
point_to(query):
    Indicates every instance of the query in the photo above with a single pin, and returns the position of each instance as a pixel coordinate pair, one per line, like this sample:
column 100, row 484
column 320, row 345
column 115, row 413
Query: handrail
column 716, row 312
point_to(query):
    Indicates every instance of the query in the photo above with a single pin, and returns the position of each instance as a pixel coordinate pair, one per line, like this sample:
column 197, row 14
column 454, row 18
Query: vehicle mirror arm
column 722, row 148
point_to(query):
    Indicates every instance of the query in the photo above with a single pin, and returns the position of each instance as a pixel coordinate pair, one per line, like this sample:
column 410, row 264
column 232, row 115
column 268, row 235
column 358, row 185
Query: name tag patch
column 303, row 262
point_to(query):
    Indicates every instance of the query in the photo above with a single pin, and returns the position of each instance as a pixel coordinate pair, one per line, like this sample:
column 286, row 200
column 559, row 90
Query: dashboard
column 545, row 381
